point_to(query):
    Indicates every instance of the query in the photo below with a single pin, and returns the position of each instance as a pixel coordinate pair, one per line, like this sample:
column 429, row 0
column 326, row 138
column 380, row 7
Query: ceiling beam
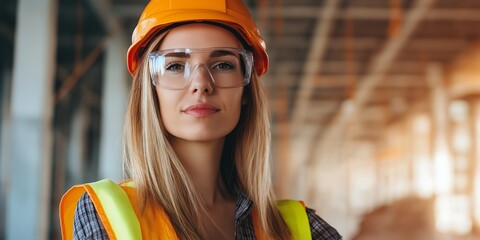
column 108, row 18
column 424, row 44
column 302, row 134
column 306, row 12
column 433, row 15
column 313, row 62
column 390, row 81
column 381, row 63
column 341, row 66
column 393, row 81
column 377, row 70
column 297, row 41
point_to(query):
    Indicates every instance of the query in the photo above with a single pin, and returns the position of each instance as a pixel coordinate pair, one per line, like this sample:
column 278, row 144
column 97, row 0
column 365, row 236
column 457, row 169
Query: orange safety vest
column 116, row 207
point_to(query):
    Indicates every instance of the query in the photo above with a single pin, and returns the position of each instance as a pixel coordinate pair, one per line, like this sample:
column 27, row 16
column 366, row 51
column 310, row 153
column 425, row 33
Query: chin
column 201, row 132
column 202, row 135
column 205, row 137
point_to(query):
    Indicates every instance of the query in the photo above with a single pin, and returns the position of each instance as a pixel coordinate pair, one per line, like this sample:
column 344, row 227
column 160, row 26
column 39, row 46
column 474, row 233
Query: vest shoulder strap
column 118, row 209
column 118, row 216
column 295, row 215
column 113, row 207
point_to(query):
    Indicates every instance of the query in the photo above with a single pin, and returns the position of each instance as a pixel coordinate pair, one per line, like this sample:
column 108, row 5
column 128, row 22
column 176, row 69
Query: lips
column 201, row 110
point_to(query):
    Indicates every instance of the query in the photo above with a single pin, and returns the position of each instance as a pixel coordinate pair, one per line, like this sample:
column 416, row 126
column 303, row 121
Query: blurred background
column 375, row 107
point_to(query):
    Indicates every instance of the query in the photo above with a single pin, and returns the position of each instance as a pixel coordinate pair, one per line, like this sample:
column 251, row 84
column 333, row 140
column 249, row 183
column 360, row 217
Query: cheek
column 167, row 107
column 235, row 107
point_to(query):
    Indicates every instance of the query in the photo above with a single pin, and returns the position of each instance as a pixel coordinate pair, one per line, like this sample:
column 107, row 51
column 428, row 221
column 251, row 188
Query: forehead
column 199, row 35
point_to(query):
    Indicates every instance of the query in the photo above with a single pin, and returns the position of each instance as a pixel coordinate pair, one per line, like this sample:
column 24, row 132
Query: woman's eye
column 224, row 66
column 175, row 67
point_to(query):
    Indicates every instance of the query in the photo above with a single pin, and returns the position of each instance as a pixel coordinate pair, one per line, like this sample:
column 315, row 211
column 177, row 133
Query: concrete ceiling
column 331, row 53
column 327, row 57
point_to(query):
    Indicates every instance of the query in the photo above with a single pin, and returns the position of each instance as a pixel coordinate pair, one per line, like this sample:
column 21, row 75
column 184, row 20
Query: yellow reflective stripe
column 295, row 215
column 118, row 209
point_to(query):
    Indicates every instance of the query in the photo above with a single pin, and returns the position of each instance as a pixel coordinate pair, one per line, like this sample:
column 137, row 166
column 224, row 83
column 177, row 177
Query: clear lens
column 175, row 68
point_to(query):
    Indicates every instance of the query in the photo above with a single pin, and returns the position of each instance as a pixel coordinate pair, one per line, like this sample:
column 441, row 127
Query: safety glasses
column 225, row 67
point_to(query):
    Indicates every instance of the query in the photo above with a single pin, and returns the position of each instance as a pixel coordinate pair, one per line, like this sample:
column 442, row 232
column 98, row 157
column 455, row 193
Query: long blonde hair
column 160, row 178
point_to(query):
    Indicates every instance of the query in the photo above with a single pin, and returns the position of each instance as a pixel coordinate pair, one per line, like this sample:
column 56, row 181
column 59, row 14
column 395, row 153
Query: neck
column 202, row 162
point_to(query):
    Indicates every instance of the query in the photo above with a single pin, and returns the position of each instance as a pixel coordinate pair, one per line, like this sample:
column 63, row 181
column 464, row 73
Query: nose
column 201, row 80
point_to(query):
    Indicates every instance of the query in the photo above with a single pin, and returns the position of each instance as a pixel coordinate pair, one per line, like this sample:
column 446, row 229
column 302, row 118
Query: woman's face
column 201, row 111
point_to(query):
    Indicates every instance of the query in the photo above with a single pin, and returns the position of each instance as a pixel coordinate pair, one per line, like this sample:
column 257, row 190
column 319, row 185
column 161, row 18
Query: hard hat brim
column 150, row 26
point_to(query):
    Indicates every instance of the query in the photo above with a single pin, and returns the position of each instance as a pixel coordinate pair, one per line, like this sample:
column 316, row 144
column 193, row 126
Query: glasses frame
column 246, row 57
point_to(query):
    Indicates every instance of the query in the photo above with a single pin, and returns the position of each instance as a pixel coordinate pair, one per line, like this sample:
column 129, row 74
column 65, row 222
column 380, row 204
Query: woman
column 196, row 138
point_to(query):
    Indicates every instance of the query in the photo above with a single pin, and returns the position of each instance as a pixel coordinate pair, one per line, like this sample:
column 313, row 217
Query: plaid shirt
column 87, row 224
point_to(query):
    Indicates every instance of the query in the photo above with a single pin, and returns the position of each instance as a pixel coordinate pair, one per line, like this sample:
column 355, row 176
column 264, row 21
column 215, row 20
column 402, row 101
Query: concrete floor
column 411, row 219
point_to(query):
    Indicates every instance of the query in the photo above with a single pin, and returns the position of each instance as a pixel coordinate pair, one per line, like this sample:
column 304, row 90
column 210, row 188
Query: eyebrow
column 221, row 53
column 178, row 54
column 216, row 53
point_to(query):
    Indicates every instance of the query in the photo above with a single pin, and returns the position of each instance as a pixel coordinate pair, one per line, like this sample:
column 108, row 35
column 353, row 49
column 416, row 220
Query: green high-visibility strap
column 119, row 210
column 124, row 222
column 295, row 215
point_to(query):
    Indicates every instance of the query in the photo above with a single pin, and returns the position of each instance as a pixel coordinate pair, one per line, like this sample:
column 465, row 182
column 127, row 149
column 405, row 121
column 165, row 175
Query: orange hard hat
column 159, row 14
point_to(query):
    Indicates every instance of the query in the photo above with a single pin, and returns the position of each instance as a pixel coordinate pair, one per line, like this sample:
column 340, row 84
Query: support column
column 441, row 152
column 28, row 194
column 475, row 159
column 115, row 94
column 76, row 147
column 442, row 160
column 5, row 122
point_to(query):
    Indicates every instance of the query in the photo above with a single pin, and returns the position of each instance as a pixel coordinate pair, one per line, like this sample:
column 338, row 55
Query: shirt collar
column 243, row 206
